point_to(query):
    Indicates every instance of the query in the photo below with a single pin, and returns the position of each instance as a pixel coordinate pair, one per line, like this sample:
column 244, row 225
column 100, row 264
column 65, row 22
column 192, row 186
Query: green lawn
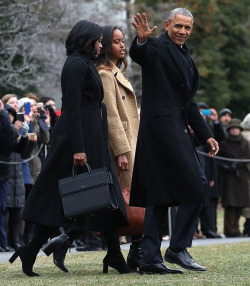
column 227, row 264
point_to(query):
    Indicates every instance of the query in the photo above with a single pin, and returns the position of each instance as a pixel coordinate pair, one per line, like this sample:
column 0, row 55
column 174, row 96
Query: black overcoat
column 80, row 128
column 165, row 169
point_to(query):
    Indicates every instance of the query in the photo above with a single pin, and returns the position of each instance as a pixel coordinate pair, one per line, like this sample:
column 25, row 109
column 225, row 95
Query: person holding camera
column 234, row 177
column 10, row 142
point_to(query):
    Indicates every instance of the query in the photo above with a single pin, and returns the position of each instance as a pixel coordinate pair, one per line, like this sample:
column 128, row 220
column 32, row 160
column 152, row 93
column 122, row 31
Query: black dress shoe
column 212, row 234
column 1, row 249
column 158, row 268
column 183, row 259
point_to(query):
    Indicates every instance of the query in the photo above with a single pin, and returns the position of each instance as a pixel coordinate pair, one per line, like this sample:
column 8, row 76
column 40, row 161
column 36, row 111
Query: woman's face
column 98, row 47
column 118, row 47
column 51, row 103
column 13, row 102
column 33, row 107
column 234, row 131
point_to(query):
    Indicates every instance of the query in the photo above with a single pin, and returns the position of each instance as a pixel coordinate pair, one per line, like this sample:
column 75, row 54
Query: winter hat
column 234, row 122
column 202, row 105
column 22, row 101
column 225, row 111
column 245, row 124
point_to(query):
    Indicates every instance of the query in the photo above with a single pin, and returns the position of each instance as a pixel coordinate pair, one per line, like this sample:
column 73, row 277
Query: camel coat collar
column 121, row 79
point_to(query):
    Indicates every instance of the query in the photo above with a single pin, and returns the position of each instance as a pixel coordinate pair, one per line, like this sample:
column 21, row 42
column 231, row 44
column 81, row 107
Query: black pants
column 185, row 223
column 208, row 216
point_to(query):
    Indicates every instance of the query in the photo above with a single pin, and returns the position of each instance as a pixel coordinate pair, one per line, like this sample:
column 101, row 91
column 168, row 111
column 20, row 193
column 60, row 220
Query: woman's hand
column 79, row 159
column 48, row 118
column 18, row 124
column 123, row 162
column 142, row 29
column 28, row 117
column 32, row 137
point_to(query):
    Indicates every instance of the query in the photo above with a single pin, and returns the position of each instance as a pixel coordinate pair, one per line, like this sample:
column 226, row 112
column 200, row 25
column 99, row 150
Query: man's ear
column 166, row 25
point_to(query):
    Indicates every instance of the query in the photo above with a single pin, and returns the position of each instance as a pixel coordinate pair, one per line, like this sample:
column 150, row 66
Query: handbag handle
column 74, row 171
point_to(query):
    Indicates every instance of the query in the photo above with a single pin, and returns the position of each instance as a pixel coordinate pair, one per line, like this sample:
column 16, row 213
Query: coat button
column 123, row 97
column 185, row 130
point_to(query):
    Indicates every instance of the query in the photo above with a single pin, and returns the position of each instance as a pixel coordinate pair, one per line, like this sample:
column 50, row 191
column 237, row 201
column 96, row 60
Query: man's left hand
column 213, row 147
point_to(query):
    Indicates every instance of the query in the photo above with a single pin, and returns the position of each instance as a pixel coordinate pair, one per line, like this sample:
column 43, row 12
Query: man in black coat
column 167, row 171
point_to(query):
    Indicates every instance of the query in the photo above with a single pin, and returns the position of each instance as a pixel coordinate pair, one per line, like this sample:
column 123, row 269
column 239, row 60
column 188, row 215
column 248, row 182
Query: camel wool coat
column 123, row 118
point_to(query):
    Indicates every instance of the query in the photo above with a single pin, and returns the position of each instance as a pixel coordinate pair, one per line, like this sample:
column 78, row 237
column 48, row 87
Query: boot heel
column 105, row 268
column 14, row 257
column 49, row 248
column 132, row 265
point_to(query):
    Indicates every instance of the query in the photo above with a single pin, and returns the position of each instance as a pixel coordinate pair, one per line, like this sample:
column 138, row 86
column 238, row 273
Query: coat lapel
column 121, row 79
column 179, row 61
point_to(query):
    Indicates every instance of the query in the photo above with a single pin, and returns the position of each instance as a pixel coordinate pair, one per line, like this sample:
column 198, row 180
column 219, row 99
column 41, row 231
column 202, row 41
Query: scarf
column 234, row 138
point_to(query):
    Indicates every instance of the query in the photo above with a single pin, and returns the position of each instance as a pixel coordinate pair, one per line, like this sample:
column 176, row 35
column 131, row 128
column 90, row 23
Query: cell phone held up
column 206, row 112
column 27, row 108
column 20, row 116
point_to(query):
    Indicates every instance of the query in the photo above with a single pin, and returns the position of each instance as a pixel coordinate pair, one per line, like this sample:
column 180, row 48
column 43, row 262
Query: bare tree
column 22, row 24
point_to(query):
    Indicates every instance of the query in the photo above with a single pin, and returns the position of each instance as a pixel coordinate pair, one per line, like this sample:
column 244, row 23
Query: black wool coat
column 80, row 128
column 165, row 169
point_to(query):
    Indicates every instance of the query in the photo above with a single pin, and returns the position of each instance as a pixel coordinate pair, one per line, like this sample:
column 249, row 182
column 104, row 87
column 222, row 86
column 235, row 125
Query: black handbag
column 87, row 193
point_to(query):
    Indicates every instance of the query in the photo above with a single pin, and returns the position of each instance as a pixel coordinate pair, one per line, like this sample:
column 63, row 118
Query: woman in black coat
column 80, row 134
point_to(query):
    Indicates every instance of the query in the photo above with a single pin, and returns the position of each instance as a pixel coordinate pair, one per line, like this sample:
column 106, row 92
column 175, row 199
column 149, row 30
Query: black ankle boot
column 55, row 243
column 134, row 256
column 114, row 257
column 59, row 257
column 117, row 262
column 59, row 246
column 28, row 258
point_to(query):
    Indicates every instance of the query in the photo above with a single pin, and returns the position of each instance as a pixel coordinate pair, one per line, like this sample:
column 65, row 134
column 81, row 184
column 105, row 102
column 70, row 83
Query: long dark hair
column 82, row 37
column 105, row 57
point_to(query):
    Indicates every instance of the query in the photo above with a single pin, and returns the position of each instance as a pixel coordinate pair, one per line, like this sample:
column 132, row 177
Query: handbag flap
column 85, row 181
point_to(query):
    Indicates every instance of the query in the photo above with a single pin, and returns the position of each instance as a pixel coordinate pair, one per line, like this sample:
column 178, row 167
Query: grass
column 226, row 264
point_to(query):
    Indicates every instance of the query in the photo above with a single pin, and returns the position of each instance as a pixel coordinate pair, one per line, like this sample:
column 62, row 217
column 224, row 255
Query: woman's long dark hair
column 82, row 37
column 105, row 57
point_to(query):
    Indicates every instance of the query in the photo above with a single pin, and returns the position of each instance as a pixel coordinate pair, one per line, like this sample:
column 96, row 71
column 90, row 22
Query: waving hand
column 142, row 28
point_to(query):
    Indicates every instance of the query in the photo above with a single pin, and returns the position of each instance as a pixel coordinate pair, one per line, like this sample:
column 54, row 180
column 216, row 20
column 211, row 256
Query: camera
column 20, row 116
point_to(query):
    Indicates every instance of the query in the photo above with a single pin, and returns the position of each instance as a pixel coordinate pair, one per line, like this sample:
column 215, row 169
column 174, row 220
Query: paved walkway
column 4, row 256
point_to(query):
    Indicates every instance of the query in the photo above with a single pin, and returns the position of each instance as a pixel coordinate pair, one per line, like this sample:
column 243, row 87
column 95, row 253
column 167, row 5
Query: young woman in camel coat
column 123, row 117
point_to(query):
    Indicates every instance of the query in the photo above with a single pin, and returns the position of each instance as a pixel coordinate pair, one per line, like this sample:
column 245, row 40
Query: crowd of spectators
column 26, row 126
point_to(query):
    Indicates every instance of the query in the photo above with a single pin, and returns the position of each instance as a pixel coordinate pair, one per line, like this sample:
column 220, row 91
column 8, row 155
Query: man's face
column 225, row 119
column 179, row 29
